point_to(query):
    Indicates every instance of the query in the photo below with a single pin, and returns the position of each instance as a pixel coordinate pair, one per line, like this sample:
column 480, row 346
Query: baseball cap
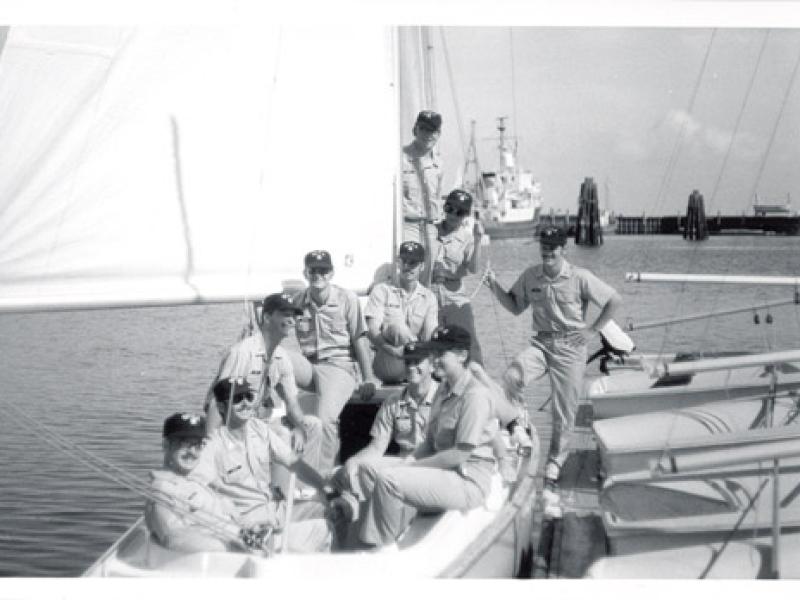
column 416, row 350
column 430, row 119
column 460, row 200
column 413, row 252
column 184, row 425
column 319, row 258
column 279, row 301
column 448, row 337
column 553, row 236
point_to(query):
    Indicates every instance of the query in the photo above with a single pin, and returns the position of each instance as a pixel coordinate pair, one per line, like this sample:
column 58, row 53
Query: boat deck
column 564, row 547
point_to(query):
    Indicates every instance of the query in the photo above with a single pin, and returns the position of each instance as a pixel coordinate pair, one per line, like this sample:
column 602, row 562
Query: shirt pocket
column 402, row 425
column 233, row 472
column 567, row 296
column 416, row 318
column 446, row 432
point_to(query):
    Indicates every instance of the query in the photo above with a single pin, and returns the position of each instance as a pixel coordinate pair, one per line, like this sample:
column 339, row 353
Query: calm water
column 106, row 379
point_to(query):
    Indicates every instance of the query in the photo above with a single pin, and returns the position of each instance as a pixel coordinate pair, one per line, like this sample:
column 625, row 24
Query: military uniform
column 558, row 306
column 326, row 334
column 451, row 255
column 402, row 317
column 461, row 414
column 241, row 471
column 200, row 509
column 422, row 180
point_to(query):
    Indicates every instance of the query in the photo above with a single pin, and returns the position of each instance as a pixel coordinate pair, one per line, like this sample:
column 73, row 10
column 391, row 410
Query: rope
column 218, row 525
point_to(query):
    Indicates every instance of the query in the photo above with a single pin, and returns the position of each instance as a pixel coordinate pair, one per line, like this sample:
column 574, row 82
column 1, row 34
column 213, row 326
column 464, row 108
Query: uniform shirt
column 403, row 419
column 391, row 303
column 559, row 304
column 241, row 471
column 263, row 374
column 417, row 185
column 197, row 504
column 452, row 253
column 463, row 415
column 332, row 328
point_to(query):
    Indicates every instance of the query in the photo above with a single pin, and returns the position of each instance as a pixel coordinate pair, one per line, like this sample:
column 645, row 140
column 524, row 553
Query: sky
column 651, row 113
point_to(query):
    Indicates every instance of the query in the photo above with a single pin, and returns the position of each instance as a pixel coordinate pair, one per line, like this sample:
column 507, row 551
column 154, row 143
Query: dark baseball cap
column 416, row 351
column 412, row 252
column 553, row 236
column 319, row 258
column 280, row 301
column 184, row 425
column 460, row 200
column 430, row 119
column 448, row 337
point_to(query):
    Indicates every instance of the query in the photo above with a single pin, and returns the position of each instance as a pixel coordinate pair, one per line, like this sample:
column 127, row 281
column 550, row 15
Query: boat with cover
column 152, row 167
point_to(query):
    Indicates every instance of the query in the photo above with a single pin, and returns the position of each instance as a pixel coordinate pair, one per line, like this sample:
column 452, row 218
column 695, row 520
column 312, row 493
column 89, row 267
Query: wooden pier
column 716, row 225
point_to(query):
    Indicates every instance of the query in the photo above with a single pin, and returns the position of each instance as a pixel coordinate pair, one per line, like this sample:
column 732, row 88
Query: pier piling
column 696, row 227
column 588, row 231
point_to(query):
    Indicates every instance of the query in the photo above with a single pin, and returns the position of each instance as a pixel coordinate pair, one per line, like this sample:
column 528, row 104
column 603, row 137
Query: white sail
column 145, row 166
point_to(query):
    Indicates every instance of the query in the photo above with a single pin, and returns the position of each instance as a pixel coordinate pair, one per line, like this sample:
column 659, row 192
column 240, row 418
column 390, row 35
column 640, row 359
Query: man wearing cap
column 188, row 516
column 400, row 312
column 332, row 337
column 238, row 462
column 558, row 294
column 402, row 422
column 453, row 468
column 422, row 179
column 457, row 251
column 261, row 362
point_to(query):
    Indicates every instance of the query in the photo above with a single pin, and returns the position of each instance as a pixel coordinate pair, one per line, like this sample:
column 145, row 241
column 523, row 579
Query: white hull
column 633, row 443
column 449, row 544
column 636, row 392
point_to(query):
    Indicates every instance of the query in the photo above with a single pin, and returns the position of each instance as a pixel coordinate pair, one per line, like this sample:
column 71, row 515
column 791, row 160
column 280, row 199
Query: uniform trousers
column 308, row 531
column 333, row 382
column 566, row 366
column 399, row 492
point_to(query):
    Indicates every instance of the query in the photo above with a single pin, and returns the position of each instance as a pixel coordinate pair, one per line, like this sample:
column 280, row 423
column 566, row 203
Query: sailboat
column 167, row 166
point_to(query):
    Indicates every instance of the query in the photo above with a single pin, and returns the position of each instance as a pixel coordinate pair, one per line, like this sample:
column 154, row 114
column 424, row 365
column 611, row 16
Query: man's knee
column 513, row 381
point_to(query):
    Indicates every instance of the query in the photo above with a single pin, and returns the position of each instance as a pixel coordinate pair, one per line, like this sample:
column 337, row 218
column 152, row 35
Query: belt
column 552, row 335
column 418, row 220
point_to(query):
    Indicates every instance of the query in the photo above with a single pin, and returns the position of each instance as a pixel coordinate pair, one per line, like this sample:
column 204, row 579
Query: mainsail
column 145, row 166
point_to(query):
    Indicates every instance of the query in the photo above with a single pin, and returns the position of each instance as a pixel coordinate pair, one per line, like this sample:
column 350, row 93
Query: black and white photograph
column 352, row 292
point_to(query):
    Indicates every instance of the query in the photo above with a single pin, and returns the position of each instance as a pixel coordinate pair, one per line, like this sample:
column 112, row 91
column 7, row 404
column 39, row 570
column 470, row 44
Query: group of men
column 227, row 475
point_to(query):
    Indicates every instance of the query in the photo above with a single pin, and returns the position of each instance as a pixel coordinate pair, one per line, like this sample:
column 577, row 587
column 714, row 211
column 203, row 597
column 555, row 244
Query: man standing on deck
column 558, row 294
column 422, row 179
column 265, row 366
column 332, row 338
column 399, row 312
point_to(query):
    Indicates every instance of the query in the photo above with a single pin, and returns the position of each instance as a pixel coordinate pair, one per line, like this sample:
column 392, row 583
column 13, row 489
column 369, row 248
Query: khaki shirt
column 403, row 419
column 417, row 185
column 242, row 471
column 559, row 304
column 196, row 504
column 451, row 255
column 263, row 374
column 463, row 415
column 328, row 331
column 391, row 303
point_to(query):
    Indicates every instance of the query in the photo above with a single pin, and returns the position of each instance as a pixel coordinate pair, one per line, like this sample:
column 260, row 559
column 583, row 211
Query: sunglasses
column 239, row 398
column 319, row 270
column 459, row 212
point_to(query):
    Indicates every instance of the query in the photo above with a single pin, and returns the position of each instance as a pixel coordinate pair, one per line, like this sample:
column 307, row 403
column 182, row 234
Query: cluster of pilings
column 696, row 226
column 588, row 231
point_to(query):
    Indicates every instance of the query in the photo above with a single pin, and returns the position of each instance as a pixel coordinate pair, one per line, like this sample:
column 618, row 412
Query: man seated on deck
column 336, row 355
column 190, row 517
column 401, row 421
column 237, row 462
column 399, row 312
column 261, row 362
column 453, row 468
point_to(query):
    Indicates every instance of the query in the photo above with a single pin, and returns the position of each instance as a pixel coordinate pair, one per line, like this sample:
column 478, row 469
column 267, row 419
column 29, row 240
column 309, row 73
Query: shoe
column 552, row 472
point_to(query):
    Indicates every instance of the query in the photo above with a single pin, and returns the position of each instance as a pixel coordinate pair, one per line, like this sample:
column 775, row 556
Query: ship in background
column 508, row 199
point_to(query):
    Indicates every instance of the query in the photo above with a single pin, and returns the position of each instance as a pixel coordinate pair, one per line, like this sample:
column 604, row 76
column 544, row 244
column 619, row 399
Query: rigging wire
column 118, row 475
column 513, row 88
column 451, row 81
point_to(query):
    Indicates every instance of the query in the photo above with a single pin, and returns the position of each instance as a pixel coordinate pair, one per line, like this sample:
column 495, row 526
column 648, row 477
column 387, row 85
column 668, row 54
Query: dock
column 716, row 225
